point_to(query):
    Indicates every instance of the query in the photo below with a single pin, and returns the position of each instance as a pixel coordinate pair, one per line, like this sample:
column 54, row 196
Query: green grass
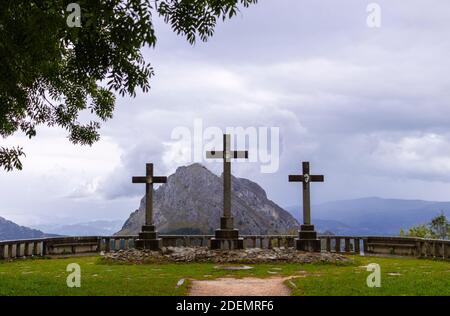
column 399, row 276
column 48, row 277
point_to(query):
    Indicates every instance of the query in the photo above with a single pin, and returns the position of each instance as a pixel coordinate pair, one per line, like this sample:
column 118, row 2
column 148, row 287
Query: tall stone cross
column 227, row 155
column 306, row 178
column 307, row 236
column 149, row 179
column 227, row 237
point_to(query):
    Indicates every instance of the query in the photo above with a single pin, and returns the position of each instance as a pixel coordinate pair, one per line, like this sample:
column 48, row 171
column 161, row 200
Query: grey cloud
column 345, row 96
column 118, row 184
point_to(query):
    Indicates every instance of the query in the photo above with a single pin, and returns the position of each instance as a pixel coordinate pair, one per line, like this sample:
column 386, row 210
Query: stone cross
column 227, row 155
column 306, row 178
column 149, row 179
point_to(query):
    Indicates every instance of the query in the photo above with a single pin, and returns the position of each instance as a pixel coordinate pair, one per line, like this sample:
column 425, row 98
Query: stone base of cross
column 148, row 239
column 227, row 237
column 307, row 239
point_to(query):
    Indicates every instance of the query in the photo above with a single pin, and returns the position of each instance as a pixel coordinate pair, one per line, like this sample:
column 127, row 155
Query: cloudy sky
column 369, row 107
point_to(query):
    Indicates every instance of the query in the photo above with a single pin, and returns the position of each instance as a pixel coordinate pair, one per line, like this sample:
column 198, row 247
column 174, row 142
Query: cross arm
column 214, row 154
column 159, row 179
column 149, row 179
column 295, row 178
column 316, row 178
column 233, row 154
column 239, row 154
column 139, row 180
column 301, row 178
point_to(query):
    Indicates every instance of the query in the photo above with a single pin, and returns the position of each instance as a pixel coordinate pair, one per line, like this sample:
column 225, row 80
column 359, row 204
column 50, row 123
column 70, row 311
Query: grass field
column 399, row 276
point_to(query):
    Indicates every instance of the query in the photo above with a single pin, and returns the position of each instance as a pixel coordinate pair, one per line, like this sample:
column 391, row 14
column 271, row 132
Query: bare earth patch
column 240, row 287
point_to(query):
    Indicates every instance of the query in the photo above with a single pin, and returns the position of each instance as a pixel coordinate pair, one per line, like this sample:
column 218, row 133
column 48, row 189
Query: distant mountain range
column 191, row 203
column 93, row 228
column 11, row 231
column 372, row 216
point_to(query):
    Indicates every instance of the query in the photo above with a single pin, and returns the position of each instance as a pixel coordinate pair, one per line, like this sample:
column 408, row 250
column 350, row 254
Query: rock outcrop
column 203, row 254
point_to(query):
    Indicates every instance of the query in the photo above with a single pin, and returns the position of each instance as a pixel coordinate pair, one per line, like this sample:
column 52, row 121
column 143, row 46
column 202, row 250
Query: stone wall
column 400, row 246
column 407, row 246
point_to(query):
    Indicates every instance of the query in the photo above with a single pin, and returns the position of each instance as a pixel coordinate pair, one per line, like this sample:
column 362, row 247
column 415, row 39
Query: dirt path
column 240, row 287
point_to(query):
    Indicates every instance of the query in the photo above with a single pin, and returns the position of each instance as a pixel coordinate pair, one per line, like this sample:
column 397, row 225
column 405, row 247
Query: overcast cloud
column 368, row 107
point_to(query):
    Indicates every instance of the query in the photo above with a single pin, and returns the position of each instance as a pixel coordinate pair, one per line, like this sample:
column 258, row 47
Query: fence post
column 357, row 246
column 347, row 244
column 44, row 248
column 26, row 251
column 337, row 247
column 328, row 243
column 425, row 247
column 107, row 242
column 36, row 250
column 365, row 245
column 10, row 251
column 99, row 244
column 117, row 244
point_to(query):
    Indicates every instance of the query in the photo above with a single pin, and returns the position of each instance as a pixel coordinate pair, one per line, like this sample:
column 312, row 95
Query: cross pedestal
column 307, row 237
column 148, row 237
column 227, row 237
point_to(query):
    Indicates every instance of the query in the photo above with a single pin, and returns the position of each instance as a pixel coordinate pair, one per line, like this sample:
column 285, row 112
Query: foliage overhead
column 56, row 75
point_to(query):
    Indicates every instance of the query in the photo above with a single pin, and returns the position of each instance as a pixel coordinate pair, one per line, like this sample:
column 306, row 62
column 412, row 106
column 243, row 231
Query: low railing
column 343, row 244
column 357, row 245
column 408, row 246
column 250, row 241
column 48, row 246
column 21, row 248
